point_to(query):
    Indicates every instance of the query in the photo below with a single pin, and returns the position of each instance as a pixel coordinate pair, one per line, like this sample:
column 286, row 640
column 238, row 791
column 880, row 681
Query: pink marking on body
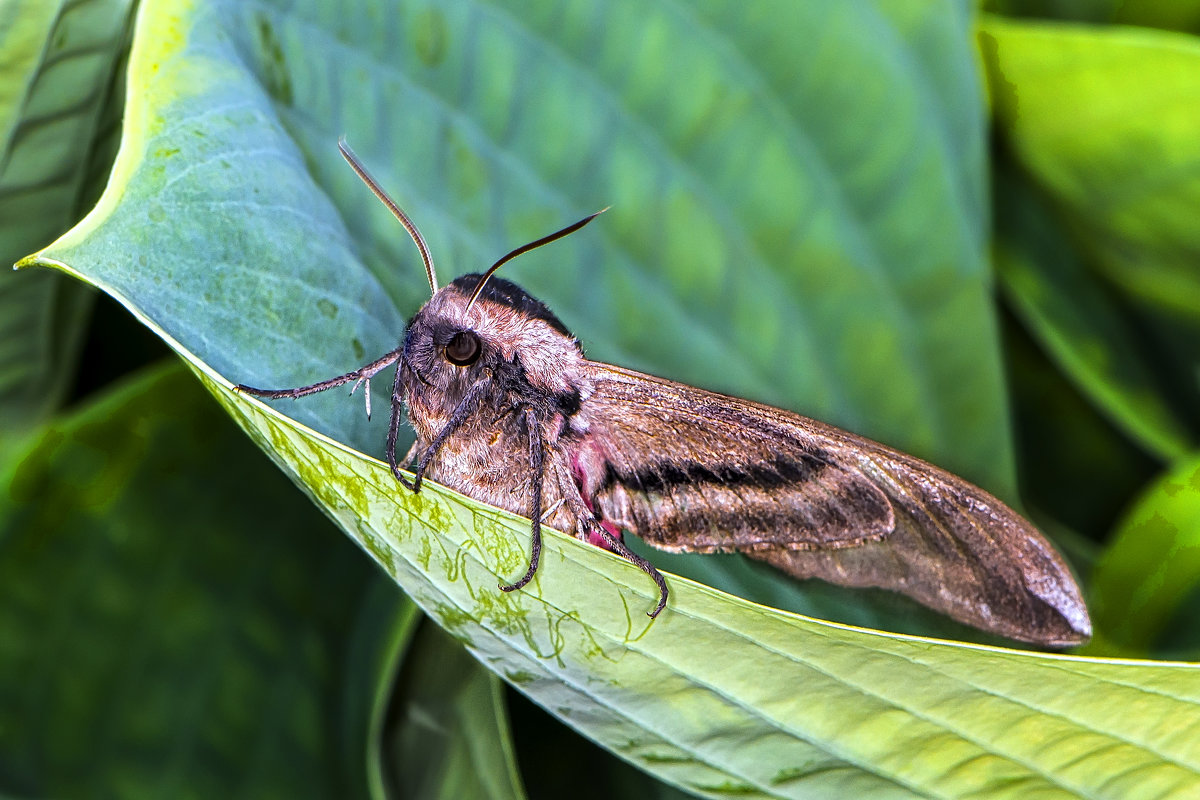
column 578, row 474
column 599, row 539
column 594, row 537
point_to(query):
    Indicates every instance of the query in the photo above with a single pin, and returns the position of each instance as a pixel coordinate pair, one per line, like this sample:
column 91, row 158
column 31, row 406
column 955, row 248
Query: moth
column 508, row 410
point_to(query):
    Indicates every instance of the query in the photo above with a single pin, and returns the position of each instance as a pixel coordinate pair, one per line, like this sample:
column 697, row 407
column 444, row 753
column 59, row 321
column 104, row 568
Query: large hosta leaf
column 798, row 216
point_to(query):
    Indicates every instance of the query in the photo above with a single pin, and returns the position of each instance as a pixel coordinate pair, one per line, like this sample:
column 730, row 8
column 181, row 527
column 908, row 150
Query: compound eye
column 463, row 349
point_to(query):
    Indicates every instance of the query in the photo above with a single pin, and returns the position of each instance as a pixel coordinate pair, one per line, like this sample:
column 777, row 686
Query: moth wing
column 916, row 529
column 690, row 470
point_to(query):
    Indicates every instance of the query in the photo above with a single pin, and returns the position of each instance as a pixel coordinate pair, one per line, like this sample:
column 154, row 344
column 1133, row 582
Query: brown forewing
column 687, row 469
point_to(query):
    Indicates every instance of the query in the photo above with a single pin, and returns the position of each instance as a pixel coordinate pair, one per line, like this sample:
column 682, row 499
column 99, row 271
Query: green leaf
column 174, row 621
column 376, row 646
column 1181, row 15
column 553, row 758
column 57, row 75
column 1105, row 119
column 814, row 239
column 1089, row 336
column 448, row 736
column 1075, row 467
column 1152, row 564
column 438, row 722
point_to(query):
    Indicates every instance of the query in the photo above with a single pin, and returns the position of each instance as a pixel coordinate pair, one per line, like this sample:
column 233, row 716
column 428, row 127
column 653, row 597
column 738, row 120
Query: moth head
column 483, row 326
column 480, row 326
column 503, row 332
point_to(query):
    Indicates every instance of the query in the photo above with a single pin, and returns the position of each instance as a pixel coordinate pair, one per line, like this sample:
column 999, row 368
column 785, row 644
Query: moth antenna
column 374, row 186
column 525, row 248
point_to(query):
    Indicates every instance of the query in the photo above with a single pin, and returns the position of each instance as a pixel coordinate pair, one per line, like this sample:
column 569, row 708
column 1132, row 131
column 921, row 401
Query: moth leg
column 624, row 552
column 394, row 433
column 363, row 373
column 410, row 455
column 464, row 410
column 589, row 528
column 365, row 382
column 546, row 514
column 537, row 460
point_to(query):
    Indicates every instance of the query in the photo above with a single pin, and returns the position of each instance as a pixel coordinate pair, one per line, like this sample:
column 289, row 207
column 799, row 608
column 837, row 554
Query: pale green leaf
column 766, row 236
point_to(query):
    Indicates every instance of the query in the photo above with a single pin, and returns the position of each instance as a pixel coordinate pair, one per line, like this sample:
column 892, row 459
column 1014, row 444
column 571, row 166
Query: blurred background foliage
column 135, row 518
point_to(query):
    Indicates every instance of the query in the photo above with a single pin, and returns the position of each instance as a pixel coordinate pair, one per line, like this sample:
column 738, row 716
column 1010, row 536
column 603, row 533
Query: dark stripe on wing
column 661, row 476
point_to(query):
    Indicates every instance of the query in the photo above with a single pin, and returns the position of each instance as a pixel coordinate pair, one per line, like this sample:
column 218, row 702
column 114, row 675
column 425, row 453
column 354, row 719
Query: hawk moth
column 508, row 410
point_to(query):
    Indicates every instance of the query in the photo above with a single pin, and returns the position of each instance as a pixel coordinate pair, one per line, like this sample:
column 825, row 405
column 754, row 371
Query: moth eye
column 463, row 349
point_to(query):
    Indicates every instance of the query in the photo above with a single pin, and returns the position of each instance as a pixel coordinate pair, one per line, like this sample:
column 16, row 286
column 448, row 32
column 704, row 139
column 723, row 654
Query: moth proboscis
column 507, row 410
